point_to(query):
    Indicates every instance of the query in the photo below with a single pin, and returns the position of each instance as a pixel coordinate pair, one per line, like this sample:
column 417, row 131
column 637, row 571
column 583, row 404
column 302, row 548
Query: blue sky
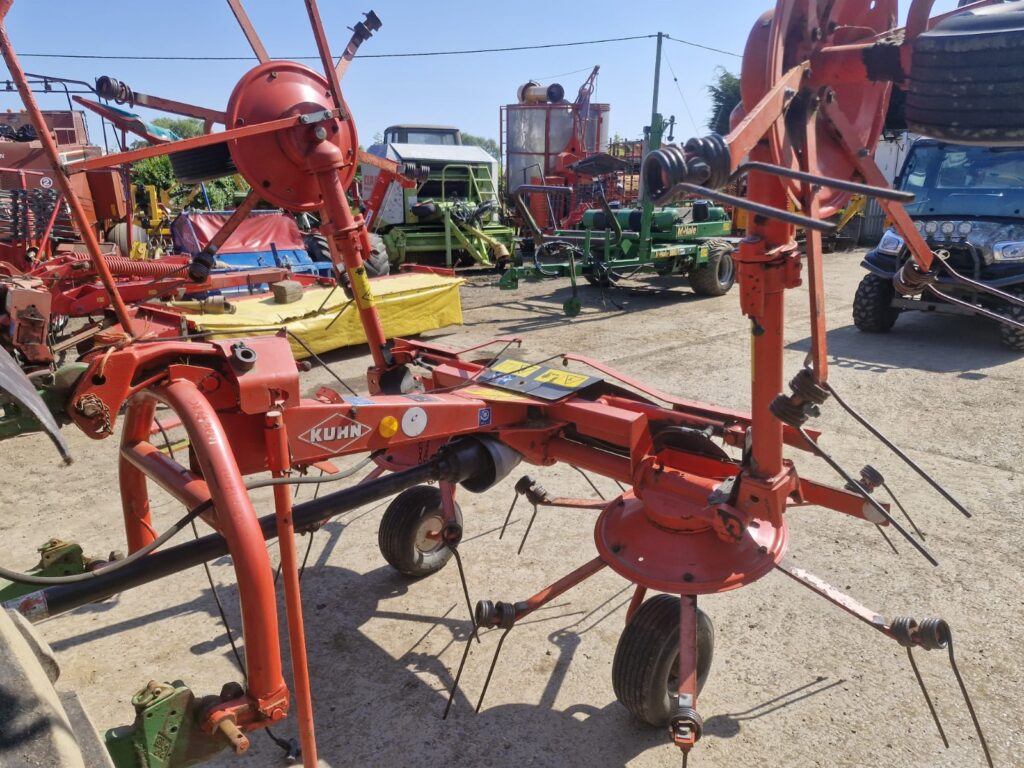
column 462, row 90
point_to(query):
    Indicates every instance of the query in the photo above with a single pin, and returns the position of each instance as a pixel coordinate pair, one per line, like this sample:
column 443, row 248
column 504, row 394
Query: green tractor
column 448, row 211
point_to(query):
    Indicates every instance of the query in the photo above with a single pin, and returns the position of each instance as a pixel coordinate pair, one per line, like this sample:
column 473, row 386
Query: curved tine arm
column 249, row 31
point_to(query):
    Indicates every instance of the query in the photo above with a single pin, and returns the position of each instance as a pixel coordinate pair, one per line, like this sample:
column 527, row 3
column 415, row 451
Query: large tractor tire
column 717, row 275
column 193, row 166
column 377, row 265
column 872, row 305
column 118, row 235
column 967, row 78
column 646, row 665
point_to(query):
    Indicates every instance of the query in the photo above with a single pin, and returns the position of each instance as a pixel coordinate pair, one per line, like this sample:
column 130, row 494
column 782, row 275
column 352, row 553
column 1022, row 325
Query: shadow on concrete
column 937, row 343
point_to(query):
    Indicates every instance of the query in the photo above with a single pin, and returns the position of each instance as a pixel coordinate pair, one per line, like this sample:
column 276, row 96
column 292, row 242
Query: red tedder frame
column 693, row 521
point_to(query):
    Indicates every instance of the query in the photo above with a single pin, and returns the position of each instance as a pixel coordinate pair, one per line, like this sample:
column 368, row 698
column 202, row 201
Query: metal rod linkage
column 884, row 193
column 758, row 208
column 892, row 447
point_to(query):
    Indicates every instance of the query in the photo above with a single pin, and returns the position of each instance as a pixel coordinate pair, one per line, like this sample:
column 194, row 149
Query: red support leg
column 277, row 454
column 235, row 520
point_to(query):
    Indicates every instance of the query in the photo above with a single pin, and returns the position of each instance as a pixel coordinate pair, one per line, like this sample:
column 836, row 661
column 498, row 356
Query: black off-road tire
column 1011, row 337
column 717, row 276
column 192, row 166
column 377, row 265
column 646, row 659
column 401, row 536
column 967, row 78
column 317, row 247
column 872, row 305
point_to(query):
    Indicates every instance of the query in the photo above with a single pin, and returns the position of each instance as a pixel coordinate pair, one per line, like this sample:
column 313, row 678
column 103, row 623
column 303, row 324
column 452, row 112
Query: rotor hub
column 282, row 164
column 795, row 33
column 684, row 562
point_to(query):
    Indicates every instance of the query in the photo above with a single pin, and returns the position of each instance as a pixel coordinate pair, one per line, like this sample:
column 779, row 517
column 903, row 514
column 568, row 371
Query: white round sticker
column 45, row 182
column 414, row 421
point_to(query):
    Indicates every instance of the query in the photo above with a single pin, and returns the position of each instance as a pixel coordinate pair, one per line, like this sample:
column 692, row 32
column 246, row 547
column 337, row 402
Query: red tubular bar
column 561, row 586
column 236, row 522
column 138, row 523
column 50, row 149
column 183, row 485
column 348, row 241
column 687, row 665
column 277, row 456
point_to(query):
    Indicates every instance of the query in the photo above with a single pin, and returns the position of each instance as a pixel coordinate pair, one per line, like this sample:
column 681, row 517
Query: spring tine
column 978, row 310
column 515, row 498
column 1007, row 297
column 820, row 452
column 889, row 444
column 967, row 701
column 458, row 676
column 465, row 590
column 494, row 662
column 927, row 698
column 526, row 533
column 884, row 193
column 758, row 208
column 589, row 481
column 885, row 536
column 903, row 510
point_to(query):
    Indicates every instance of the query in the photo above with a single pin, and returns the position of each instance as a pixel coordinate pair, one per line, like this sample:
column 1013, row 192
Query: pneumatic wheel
column 645, row 671
column 317, row 247
column 967, row 80
column 193, row 166
column 872, row 305
column 1011, row 336
column 409, row 536
column 717, row 276
column 377, row 265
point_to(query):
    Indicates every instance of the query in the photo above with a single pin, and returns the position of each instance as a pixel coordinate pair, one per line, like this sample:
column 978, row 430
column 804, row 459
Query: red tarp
column 193, row 230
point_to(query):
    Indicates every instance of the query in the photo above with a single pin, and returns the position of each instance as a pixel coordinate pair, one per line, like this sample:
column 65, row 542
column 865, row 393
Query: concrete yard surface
column 795, row 682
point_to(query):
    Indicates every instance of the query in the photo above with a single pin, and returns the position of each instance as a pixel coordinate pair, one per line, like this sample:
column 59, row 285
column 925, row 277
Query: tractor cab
column 969, row 206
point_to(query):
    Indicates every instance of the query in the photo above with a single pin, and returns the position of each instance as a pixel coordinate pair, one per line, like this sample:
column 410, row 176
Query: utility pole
column 654, row 129
column 657, row 74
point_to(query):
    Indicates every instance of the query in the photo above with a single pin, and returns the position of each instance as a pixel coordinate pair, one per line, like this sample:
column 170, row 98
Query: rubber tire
column 1010, row 337
column 118, row 235
column 967, row 78
column 872, row 305
column 605, row 280
column 192, row 166
column 706, row 280
column 647, row 655
column 400, row 525
column 378, row 264
column 317, row 247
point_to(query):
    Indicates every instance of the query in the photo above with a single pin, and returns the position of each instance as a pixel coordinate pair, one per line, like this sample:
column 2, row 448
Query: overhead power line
column 705, row 47
column 466, row 52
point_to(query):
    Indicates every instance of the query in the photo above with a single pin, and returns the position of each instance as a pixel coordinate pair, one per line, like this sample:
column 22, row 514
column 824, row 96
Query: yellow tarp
column 408, row 304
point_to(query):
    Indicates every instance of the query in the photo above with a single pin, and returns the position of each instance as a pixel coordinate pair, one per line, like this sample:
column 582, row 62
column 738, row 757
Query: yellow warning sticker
column 490, row 393
column 516, row 367
column 561, row 378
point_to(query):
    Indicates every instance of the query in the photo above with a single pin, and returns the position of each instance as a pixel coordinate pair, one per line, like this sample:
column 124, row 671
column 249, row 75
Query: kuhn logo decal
column 334, row 429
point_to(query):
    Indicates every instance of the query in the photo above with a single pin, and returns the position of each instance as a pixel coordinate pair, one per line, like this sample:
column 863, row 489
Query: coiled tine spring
column 933, row 634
